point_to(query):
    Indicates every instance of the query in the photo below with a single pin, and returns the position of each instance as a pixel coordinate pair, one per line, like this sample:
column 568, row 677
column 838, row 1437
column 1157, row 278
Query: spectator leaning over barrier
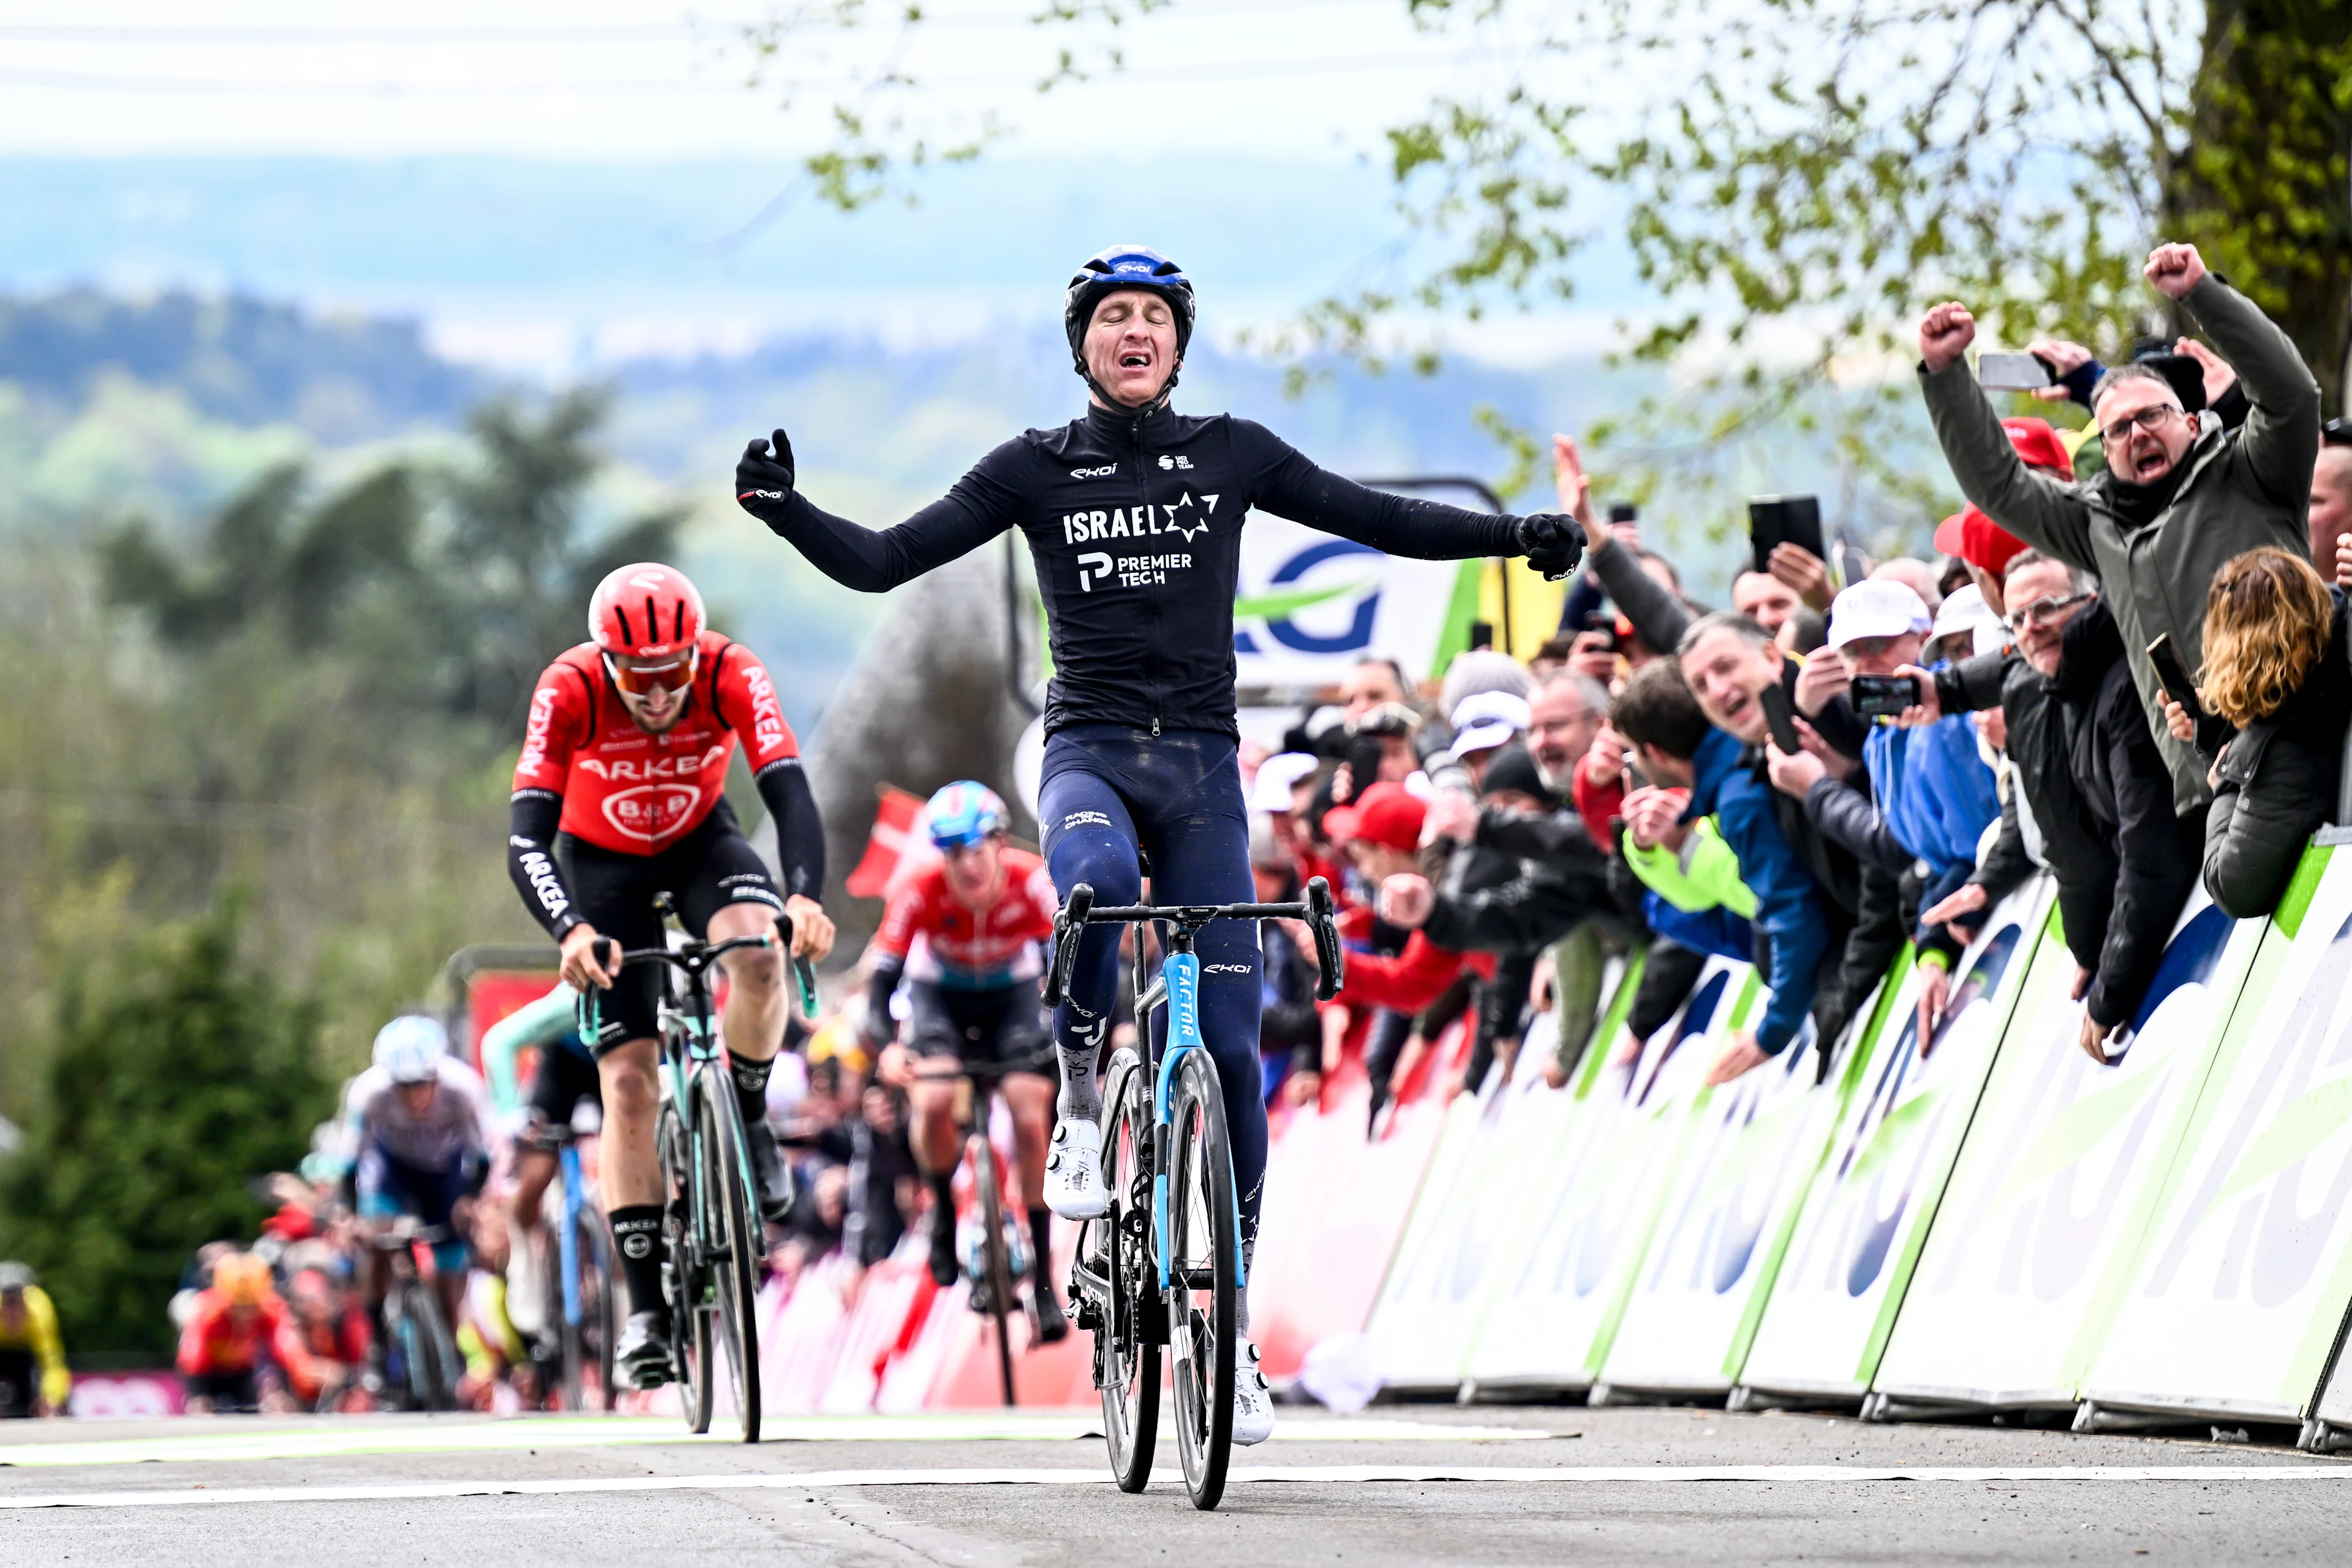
column 2124, row 863
column 2180, row 496
column 1289, row 1038
column 1639, row 584
column 2275, row 668
column 1727, row 659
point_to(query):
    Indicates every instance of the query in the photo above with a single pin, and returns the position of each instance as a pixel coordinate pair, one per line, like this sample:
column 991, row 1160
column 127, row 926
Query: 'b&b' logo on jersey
column 652, row 811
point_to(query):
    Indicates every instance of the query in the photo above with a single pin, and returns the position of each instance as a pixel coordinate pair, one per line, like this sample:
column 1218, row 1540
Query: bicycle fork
column 1180, row 985
column 567, row 1241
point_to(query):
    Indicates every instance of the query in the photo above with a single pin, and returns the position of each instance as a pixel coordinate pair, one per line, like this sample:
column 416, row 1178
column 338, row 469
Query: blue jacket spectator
column 1788, row 913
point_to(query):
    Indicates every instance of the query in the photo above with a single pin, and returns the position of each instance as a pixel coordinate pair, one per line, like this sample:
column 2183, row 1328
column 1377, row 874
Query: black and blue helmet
column 1126, row 267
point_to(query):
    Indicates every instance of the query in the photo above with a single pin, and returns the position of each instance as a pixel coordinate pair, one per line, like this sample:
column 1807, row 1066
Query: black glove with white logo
column 1551, row 540
column 764, row 483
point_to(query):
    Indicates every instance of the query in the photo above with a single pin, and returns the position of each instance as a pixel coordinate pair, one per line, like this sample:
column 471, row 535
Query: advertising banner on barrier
column 1478, row 1206
column 1335, row 1202
column 2053, row 1187
column 1310, row 604
column 1559, row 1301
column 1755, row 1145
column 2240, row 1288
column 1866, row 1213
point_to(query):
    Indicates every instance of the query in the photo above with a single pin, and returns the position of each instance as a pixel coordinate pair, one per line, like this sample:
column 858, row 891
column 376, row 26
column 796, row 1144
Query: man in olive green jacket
column 2179, row 496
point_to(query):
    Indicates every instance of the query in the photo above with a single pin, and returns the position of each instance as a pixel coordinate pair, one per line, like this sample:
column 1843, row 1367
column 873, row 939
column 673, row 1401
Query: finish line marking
column 1328, row 1474
column 441, row 1435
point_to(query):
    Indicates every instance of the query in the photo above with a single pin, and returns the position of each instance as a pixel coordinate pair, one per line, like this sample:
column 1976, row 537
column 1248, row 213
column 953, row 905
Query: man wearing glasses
column 2180, row 496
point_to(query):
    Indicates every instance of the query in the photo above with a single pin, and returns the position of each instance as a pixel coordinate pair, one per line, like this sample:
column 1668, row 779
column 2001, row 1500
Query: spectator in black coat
column 2125, row 862
column 2275, row 668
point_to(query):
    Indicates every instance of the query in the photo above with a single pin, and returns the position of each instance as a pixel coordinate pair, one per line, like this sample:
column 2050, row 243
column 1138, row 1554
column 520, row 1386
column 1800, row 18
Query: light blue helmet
column 963, row 813
column 411, row 1046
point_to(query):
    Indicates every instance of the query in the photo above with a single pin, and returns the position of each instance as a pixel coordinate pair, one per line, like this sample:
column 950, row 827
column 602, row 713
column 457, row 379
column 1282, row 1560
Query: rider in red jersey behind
column 964, row 937
column 620, row 794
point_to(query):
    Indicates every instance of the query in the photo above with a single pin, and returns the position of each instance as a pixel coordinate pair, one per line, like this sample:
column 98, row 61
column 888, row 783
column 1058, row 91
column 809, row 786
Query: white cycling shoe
column 1253, row 1400
column 1074, row 1183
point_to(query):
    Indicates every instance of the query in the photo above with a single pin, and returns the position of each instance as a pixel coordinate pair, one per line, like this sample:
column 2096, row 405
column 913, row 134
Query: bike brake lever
column 1069, row 929
column 806, row 978
column 1330, row 958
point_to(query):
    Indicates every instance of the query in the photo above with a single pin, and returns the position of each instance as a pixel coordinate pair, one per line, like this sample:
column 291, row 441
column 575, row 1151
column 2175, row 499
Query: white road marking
column 1637, row 1474
column 443, row 1435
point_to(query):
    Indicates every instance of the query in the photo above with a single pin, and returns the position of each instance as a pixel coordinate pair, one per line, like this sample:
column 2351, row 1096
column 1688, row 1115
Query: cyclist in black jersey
column 1133, row 514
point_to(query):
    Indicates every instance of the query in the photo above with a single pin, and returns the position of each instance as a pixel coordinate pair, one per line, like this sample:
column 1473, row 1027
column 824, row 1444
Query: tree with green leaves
column 1796, row 179
column 182, row 1072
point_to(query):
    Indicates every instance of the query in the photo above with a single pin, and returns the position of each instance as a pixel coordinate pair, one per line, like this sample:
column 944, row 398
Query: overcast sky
column 647, row 80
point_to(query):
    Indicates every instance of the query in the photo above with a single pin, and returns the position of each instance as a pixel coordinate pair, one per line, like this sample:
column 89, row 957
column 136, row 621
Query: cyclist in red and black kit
column 964, row 936
column 620, row 794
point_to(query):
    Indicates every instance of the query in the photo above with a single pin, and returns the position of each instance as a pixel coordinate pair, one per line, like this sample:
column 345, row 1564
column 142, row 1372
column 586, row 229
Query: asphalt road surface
column 1398, row 1484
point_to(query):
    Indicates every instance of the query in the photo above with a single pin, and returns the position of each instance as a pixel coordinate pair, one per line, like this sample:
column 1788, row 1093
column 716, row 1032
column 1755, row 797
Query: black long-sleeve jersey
column 1134, row 522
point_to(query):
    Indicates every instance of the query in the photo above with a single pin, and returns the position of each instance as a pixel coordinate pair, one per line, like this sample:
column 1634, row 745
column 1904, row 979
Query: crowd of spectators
column 1953, row 725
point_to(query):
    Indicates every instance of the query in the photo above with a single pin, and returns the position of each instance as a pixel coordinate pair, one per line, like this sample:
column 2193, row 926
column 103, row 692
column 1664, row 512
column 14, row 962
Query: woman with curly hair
column 2275, row 667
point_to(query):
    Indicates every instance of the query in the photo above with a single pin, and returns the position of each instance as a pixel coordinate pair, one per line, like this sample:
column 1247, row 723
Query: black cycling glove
column 1551, row 541
column 764, row 483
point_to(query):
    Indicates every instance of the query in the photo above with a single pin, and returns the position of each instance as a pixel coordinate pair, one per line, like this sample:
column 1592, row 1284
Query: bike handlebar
column 1079, row 912
column 696, row 957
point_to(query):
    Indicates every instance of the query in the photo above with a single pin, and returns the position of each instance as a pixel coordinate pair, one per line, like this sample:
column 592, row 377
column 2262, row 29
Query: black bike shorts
column 563, row 1079
column 1001, row 1024
column 709, row 868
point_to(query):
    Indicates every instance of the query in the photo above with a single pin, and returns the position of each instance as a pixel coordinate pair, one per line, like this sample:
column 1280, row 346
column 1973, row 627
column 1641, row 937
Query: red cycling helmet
column 645, row 611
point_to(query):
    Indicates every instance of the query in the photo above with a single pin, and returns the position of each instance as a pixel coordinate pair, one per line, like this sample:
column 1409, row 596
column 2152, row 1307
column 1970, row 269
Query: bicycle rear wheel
column 684, row 1277
column 996, row 1269
column 735, row 1268
column 1204, row 1266
column 1116, row 1248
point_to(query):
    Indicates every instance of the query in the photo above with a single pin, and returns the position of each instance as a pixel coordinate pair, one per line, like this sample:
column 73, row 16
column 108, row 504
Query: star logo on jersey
column 1184, row 518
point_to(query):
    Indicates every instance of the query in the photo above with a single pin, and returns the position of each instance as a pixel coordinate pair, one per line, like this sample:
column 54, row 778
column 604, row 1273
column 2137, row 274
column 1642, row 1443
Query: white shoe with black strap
column 1074, row 1183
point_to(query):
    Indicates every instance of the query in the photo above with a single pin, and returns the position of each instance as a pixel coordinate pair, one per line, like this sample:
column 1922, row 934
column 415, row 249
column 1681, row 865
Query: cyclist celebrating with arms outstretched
column 1133, row 516
column 963, row 934
column 620, row 794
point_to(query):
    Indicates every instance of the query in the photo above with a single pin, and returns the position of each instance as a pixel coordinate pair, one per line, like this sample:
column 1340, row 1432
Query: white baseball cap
column 1965, row 611
column 1270, row 791
column 1484, row 719
column 1880, row 608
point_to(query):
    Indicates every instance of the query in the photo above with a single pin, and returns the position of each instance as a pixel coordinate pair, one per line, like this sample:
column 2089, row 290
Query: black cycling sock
column 1041, row 1245
column 751, row 1087
column 637, row 1236
column 942, row 1184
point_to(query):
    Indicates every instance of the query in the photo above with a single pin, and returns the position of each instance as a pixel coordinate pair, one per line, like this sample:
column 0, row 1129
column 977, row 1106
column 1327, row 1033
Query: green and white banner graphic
column 1989, row 1220
column 1560, row 1300
column 2048, row 1192
column 2237, row 1296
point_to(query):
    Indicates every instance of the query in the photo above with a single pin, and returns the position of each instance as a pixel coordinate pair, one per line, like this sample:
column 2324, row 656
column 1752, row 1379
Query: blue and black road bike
column 1163, row 1265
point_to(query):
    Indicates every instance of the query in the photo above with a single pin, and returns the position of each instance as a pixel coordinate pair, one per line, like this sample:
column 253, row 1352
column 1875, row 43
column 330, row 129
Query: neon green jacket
column 1702, row 875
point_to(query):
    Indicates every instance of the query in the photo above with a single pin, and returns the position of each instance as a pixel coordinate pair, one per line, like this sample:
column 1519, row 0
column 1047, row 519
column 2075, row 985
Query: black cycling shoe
column 642, row 1357
column 770, row 1175
column 1052, row 1326
column 945, row 1265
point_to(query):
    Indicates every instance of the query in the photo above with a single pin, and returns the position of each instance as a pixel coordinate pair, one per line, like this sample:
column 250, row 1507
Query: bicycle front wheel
column 735, row 1245
column 683, row 1276
column 1203, row 1269
column 1116, row 1250
column 996, row 1268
